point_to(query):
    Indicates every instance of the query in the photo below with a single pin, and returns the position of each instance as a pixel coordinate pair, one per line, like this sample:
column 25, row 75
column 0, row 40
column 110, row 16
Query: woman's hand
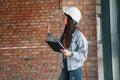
column 66, row 52
column 48, row 29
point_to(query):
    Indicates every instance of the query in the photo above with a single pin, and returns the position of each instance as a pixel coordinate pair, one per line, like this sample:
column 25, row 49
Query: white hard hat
column 74, row 13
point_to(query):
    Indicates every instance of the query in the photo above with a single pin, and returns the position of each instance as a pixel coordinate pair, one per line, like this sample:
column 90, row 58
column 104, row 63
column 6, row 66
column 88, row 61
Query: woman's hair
column 68, row 31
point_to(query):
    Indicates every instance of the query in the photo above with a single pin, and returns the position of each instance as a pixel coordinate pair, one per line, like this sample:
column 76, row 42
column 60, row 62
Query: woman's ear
column 74, row 22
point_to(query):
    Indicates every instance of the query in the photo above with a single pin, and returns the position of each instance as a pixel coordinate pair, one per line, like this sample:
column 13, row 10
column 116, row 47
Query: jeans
column 70, row 75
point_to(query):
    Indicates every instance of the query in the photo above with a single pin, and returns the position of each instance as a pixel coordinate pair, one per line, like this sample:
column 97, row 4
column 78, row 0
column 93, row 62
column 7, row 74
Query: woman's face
column 64, row 19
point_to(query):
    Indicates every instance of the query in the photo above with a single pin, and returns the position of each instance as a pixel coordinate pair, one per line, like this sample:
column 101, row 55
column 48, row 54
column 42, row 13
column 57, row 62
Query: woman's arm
column 50, row 35
column 81, row 51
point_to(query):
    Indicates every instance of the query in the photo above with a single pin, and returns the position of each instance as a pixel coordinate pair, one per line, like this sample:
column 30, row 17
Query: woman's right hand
column 48, row 29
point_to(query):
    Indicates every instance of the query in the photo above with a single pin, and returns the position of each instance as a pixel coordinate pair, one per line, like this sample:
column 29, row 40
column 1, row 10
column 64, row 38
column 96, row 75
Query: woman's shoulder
column 77, row 32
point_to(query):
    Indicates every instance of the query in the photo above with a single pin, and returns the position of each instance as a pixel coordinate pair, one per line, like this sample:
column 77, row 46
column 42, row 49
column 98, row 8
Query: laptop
column 56, row 46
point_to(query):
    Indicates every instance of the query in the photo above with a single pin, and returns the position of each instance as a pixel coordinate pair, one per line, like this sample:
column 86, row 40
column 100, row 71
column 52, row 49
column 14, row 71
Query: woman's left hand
column 66, row 52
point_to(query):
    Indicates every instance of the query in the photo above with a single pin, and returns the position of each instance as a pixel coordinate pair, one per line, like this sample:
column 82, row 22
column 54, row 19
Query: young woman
column 75, row 43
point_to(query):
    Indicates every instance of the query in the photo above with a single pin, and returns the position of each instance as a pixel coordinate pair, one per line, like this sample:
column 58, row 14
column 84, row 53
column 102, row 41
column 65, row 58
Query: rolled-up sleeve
column 51, row 38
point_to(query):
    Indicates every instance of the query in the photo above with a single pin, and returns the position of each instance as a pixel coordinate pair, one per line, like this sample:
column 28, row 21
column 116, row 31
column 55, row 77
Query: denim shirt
column 79, row 49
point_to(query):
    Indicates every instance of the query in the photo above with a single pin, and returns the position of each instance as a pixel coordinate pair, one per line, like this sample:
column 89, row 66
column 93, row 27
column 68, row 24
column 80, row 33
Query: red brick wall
column 23, row 25
column 23, row 53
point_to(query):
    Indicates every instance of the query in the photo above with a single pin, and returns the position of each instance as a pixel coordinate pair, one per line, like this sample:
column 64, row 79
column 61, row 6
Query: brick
column 24, row 23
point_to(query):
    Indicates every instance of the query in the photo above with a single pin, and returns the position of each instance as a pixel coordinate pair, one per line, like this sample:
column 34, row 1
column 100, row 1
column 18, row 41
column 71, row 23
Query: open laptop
column 56, row 46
